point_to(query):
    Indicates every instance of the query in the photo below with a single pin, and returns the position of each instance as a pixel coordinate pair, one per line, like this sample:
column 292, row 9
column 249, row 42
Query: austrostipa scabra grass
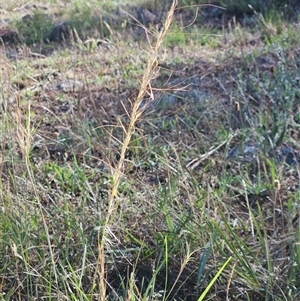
column 135, row 114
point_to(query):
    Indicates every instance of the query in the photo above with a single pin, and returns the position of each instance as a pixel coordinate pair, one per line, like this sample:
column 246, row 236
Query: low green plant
column 35, row 28
column 176, row 36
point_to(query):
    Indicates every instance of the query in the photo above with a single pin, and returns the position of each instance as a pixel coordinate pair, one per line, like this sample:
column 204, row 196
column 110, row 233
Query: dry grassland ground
column 211, row 171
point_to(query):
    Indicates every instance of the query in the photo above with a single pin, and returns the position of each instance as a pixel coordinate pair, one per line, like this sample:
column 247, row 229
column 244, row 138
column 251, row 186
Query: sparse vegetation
column 150, row 161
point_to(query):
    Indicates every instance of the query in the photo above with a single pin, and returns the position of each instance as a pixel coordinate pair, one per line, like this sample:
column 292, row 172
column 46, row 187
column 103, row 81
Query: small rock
column 60, row 32
column 288, row 154
column 69, row 85
column 9, row 36
column 248, row 153
column 147, row 17
column 27, row 18
column 245, row 153
column 11, row 53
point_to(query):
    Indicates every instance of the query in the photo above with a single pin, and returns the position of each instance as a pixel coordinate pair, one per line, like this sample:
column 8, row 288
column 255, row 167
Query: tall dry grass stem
column 24, row 133
column 137, row 110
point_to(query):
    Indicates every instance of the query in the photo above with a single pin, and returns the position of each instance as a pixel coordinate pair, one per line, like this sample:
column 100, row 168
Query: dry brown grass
column 137, row 110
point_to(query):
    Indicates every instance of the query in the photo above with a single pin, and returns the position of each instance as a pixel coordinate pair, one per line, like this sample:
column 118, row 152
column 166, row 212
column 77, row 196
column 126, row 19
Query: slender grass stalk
column 137, row 110
column 24, row 134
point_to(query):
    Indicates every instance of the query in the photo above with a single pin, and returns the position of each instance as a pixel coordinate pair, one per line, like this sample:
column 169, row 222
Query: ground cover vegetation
column 149, row 150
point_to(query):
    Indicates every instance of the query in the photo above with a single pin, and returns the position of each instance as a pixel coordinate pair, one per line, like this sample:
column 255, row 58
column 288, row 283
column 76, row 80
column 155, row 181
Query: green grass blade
column 214, row 279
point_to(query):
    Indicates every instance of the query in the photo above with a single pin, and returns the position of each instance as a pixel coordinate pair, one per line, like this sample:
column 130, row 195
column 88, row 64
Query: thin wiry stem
column 137, row 111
